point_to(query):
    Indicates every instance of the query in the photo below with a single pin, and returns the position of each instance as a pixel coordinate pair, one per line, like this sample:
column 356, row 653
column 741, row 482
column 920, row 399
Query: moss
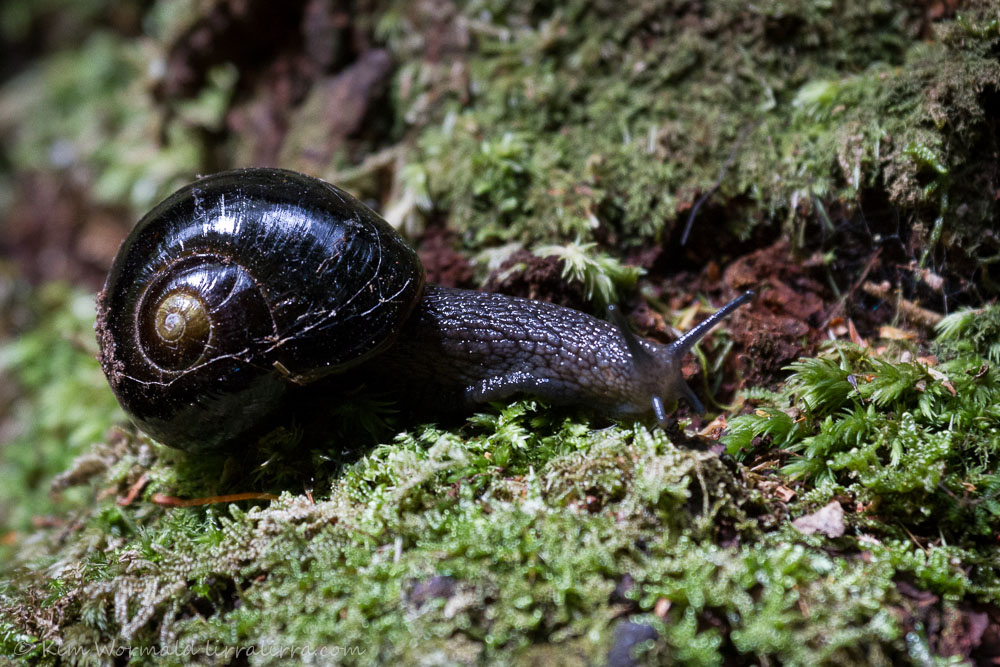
column 919, row 438
column 393, row 566
column 514, row 558
column 529, row 554
column 602, row 276
column 778, row 599
column 63, row 408
column 840, row 99
column 914, row 441
column 970, row 332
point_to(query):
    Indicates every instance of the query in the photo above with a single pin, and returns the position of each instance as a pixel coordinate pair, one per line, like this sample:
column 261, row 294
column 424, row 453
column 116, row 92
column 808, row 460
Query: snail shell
column 236, row 287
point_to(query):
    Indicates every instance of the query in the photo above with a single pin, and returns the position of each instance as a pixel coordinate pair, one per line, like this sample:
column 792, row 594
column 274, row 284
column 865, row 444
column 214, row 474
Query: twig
column 718, row 181
column 133, row 491
column 850, row 293
column 917, row 315
column 171, row 501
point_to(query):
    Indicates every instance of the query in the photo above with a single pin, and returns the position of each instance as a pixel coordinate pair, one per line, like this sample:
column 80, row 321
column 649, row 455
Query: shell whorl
column 241, row 284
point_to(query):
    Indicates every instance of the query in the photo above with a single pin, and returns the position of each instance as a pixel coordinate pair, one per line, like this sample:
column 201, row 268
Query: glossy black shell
column 301, row 281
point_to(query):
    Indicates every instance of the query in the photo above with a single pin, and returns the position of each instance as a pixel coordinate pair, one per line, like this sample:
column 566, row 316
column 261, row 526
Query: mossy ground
column 527, row 535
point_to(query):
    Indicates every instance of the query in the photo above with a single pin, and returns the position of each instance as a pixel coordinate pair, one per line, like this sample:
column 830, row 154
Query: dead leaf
column 715, row 427
column 829, row 520
column 662, row 607
column 783, row 493
column 892, row 333
column 854, row 335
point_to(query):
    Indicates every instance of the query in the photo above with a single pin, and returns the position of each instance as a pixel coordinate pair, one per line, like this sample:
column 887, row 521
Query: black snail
column 247, row 283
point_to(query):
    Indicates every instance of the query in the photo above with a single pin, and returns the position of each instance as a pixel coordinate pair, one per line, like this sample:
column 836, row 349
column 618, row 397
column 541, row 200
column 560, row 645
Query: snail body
column 245, row 284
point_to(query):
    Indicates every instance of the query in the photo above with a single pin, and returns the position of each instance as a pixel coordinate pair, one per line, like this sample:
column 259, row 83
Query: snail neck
column 463, row 347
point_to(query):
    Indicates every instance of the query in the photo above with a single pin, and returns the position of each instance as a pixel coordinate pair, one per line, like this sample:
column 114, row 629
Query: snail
column 248, row 283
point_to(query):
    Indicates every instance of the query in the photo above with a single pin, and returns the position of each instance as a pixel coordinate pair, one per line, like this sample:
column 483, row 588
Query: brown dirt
column 531, row 277
column 783, row 322
column 443, row 265
column 965, row 629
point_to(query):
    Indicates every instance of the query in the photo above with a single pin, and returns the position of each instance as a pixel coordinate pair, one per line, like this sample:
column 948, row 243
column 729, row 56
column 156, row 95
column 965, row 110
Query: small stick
column 918, row 315
column 133, row 491
column 718, row 181
column 170, row 501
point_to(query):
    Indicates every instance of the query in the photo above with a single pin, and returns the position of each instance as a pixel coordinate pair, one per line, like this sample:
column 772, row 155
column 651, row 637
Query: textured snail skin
column 248, row 283
column 488, row 347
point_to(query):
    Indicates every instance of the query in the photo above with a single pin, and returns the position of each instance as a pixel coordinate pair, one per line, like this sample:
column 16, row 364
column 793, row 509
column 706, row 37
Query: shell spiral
column 238, row 286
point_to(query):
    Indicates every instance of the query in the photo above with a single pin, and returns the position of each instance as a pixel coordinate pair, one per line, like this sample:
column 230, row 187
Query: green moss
column 401, row 561
column 63, row 408
column 578, row 123
column 970, row 332
column 515, row 558
column 602, row 276
column 912, row 440
column 779, row 599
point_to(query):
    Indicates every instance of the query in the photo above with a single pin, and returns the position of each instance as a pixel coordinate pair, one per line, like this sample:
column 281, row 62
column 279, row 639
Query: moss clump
column 913, row 440
column 425, row 547
column 593, row 119
column 919, row 439
column 970, row 333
